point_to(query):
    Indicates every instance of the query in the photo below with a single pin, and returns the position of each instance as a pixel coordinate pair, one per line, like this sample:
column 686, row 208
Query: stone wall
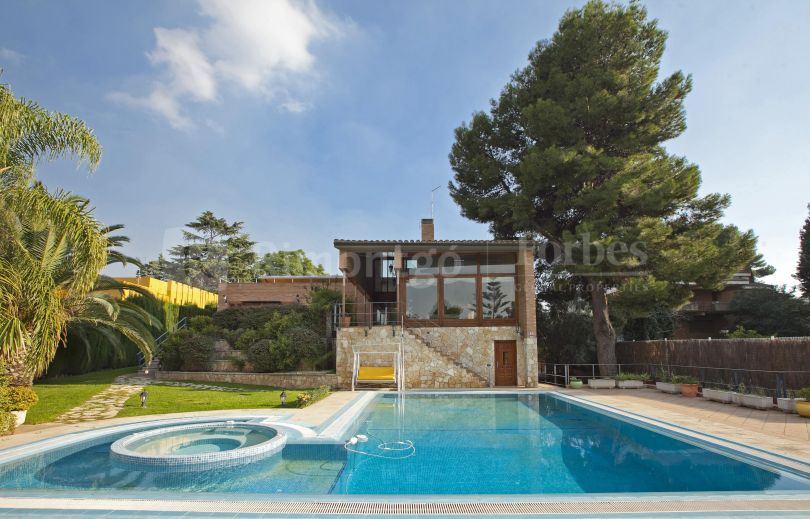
column 292, row 380
column 438, row 357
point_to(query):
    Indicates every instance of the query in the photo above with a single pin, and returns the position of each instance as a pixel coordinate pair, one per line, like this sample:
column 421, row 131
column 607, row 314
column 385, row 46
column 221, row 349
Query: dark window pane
column 456, row 264
column 421, row 265
column 497, row 264
column 460, row 301
column 421, row 299
column 498, row 297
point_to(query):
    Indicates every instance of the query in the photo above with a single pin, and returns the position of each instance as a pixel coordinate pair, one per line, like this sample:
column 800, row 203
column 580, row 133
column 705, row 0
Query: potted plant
column 666, row 384
column 631, row 380
column 574, row 383
column 788, row 403
column 724, row 396
column 803, row 404
column 601, row 383
column 17, row 400
column 757, row 398
column 689, row 385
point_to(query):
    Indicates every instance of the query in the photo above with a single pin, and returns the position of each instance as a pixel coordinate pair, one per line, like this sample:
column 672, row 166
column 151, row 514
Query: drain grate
column 549, row 507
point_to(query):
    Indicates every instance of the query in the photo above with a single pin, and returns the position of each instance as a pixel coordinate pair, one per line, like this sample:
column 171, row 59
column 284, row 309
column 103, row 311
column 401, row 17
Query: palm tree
column 42, row 235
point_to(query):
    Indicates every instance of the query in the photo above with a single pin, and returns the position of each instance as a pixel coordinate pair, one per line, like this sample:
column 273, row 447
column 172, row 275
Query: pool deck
column 775, row 431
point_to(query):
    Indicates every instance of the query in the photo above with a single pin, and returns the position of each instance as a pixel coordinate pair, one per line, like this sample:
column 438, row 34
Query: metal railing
column 366, row 314
column 775, row 383
column 182, row 323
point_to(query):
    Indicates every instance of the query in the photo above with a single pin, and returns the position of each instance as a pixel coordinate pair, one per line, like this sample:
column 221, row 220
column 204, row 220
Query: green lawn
column 59, row 395
column 172, row 399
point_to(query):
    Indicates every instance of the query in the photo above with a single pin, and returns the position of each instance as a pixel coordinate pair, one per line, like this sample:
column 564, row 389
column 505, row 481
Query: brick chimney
column 427, row 229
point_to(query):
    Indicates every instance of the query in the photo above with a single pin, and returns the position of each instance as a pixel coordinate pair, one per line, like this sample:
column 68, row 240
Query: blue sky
column 311, row 121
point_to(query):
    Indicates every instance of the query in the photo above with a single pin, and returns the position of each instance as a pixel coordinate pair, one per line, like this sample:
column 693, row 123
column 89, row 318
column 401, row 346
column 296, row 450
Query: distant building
column 708, row 313
column 273, row 290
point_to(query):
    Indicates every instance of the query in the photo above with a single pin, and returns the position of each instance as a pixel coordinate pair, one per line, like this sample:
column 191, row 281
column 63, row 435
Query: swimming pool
column 481, row 443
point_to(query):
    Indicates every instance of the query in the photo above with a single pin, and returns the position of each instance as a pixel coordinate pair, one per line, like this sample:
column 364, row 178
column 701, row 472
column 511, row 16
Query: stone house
column 461, row 313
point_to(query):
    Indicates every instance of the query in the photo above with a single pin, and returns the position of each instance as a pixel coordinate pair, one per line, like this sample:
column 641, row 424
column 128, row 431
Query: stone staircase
column 465, row 378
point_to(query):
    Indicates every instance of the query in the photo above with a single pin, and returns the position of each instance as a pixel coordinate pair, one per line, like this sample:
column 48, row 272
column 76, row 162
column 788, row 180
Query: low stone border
column 291, row 380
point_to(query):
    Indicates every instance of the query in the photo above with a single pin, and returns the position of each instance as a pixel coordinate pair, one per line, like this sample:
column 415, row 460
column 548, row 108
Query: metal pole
column 566, row 375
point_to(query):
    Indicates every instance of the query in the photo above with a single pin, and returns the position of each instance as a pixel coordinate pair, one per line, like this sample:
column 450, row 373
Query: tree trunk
column 603, row 331
column 18, row 371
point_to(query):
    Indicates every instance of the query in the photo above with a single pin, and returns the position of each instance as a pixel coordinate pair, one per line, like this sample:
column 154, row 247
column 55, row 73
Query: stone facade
column 291, row 380
column 437, row 357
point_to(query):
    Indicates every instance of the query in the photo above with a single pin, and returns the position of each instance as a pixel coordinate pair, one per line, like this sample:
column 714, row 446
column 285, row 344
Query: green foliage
column 288, row 263
column 8, row 422
column 321, row 300
column 17, row 398
column 565, row 336
column 803, row 268
column 741, row 333
column 259, row 356
column 573, row 153
column 770, row 311
column 684, row 379
column 804, row 393
column 213, row 249
column 187, row 349
column 255, row 317
column 306, row 398
column 632, row 376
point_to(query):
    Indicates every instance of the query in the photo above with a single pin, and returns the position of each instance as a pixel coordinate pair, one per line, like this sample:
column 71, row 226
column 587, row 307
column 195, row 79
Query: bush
column 187, row 350
column 684, row 379
column 8, row 422
column 804, row 393
column 256, row 317
column 17, row 398
column 258, row 354
column 632, row 376
column 304, row 345
column 306, row 398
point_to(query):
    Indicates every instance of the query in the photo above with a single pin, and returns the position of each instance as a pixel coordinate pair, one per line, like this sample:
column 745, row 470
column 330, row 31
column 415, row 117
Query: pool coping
column 340, row 423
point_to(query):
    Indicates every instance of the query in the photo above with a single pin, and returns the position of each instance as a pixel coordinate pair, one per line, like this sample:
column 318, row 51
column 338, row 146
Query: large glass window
column 460, row 301
column 498, row 297
column 422, row 299
column 421, row 265
column 497, row 264
column 454, row 264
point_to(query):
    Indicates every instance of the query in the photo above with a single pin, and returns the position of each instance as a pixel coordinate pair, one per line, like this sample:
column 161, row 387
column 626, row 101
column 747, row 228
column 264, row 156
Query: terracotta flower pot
column 689, row 389
column 803, row 408
column 345, row 321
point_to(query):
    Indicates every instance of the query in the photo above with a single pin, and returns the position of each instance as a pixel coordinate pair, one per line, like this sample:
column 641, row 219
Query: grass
column 58, row 395
column 173, row 399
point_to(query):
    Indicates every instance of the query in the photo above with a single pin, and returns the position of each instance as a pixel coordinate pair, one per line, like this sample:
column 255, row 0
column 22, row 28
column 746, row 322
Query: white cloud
column 10, row 56
column 262, row 47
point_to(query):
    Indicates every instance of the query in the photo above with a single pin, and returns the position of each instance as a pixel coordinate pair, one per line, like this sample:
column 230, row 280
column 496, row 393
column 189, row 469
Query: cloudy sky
column 311, row 121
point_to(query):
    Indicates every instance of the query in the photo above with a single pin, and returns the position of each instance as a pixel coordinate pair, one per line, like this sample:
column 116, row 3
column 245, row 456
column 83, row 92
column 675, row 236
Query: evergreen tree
column 214, row 250
column 572, row 154
column 496, row 304
column 803, row 269
column 288, row 263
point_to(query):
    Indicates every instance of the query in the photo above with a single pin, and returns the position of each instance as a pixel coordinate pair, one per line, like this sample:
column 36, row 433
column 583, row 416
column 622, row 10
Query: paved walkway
column 773, row 430
column 109, row 402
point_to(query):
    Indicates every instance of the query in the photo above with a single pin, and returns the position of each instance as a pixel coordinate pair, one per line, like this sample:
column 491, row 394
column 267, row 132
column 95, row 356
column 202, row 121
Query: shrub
column 804, row 393
column 305, row 345
column 632, row 376
column 8, row 422
column 256, row 317
column 684, row 379
column 258, row 354
column 17, row 398
column 187, row 350
column 306, row 398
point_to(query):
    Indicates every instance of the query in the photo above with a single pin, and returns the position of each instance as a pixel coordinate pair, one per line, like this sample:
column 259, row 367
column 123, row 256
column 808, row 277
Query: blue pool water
column 464, row 444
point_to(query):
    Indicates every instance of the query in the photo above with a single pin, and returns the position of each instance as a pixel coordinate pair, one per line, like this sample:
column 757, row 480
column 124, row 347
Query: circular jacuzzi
column 200, row 445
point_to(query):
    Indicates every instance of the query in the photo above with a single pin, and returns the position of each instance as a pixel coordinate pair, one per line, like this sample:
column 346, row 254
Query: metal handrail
column 163, row 337
column 560, row 374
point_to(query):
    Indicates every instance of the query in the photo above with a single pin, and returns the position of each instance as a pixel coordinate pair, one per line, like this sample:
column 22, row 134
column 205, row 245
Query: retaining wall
column 291, row 380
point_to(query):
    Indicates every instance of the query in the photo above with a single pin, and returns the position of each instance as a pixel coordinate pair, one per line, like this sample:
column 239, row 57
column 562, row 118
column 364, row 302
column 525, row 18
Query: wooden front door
column 505, row 363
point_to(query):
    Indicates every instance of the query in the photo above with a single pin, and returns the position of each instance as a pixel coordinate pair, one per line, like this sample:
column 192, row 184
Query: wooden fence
column 766, row 363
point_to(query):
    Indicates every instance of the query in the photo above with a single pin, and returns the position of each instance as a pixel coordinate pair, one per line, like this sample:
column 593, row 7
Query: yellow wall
column 172, row 291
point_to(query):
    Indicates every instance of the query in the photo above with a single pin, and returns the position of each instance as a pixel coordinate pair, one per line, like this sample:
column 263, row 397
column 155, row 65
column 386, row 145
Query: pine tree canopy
column 572, row 153
column 803, row 269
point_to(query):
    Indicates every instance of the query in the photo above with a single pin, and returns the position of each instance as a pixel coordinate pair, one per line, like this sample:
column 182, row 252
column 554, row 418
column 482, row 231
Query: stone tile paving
column 109, row 402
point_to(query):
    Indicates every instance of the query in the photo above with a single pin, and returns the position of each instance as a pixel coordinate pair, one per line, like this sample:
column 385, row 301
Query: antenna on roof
column 432, row 200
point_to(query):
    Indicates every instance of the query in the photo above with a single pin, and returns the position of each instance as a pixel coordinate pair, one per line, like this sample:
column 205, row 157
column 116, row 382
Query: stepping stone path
column 109, row 402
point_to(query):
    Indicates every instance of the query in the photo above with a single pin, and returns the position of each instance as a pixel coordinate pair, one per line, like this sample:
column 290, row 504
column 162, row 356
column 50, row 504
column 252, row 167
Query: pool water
column 507, row 443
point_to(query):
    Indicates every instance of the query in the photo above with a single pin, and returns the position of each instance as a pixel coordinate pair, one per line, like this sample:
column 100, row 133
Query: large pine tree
column 803, row 269
column 572, row 154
